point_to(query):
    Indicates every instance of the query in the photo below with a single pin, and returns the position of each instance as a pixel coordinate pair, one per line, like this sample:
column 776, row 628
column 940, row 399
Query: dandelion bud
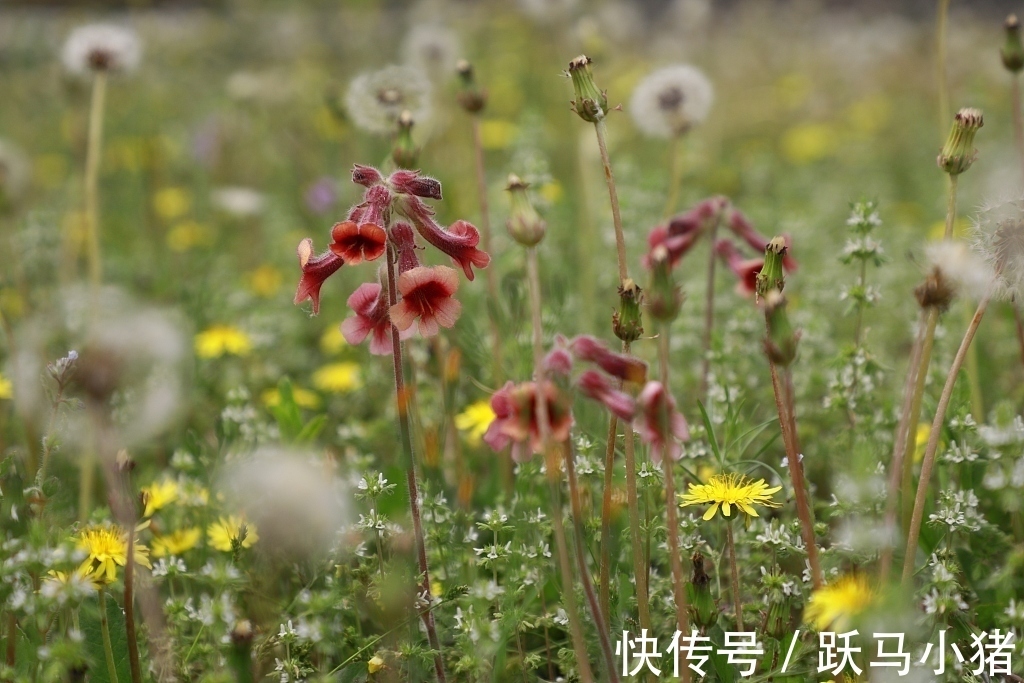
column 703, row 610
column 470, row 97
column 771, row 276
column 782, row 340
column 664, row 298
column 524, row 223
column 591, row 103
column 776, row 623
column 626, row 322
column 405, row 153
column 1012, row 51
column 958, row 154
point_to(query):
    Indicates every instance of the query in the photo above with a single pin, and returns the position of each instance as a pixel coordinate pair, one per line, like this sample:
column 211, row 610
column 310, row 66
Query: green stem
column 108, row 649
column 734, row 575
column 940, row 67
column 633, row 503
column 129, row 608
column 613, row 196
column 933, row 438
column 709, row 313
column 675, row 165
column 93, row 154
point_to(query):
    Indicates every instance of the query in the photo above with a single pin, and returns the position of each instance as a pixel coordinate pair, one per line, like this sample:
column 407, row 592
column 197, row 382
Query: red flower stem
column 933, row 437
column 606, row 517
column 551, row 462
column 402, row 397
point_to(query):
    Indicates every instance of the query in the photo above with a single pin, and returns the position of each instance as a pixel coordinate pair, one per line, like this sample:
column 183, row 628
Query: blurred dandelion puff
column 998, row 237
column 433, row 47
column 376, row 99
column 671, row 100
column 101, row 47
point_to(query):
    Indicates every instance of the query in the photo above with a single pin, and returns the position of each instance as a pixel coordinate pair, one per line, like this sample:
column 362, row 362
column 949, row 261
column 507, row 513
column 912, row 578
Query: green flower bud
column 772, row 276
column 405, row 153
column 782, row 340
column 470, row 97
column 524, row 223
column 664, row 298
column 958, row 153
column 591, row 103
column 703, row 610
column 776, row 622
column 1012, row 51
column 626, row 322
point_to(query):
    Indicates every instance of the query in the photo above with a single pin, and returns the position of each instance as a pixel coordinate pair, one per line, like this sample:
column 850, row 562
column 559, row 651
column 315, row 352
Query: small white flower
column 101, row 47
column 241, row 202
column 671, row 100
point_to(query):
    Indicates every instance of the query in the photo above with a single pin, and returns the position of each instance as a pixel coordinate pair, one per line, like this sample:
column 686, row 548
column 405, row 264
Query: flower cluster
column 386, row 221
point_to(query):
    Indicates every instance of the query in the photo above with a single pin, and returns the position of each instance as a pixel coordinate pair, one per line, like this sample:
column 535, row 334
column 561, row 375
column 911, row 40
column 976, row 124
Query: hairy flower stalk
column 781, row 345
column 591, row 104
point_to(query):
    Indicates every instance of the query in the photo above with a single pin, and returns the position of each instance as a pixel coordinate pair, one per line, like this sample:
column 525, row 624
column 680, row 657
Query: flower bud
column 470, row 97
column 771, row 276
column 524, row 223
column 1012, row 51
column 776, row 623
column 367, row 176
column 626, row 322
column 591, row 103
column 405, row 153
column 958, row 153
column 664, row 298
column 936, row 291
column 782, row 340
column 703, row 610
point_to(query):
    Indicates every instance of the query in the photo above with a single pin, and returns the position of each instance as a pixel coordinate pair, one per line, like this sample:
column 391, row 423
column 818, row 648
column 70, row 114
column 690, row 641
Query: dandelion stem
column 709, row 313
column 942, row 20
column 613, row 196
column 108, row 649
column 551, row 462
column 675, row 165
column 734, row 575
column 933, row 436
column 606, row 518
column 402, row 397
column 129, row 608
column 93, row 154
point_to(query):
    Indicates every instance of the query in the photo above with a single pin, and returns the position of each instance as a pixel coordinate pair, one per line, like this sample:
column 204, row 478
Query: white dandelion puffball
column 670, row 100
column 961, row 265
column 376, row 99
column 999, row 239
column 433, row 47
column 242, row 202
column 101, row 47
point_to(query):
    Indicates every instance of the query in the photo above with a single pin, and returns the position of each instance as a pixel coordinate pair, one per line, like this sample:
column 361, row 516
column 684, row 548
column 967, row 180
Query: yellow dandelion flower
column 176, row 542
column 333, row 341
column 304, row 398
column 56, row 579
column 552, row 191
column 265, row 280
column 188, row 235
column 6, row 388
column 436, row 589
column 475, row 420
column 106, row 549
column 832, row 606
column 726, row 490
column 375, row 664
column 171, row 202
column 806, row 143
column 221, row 340
column 496, row 134
column 338, row 378
column 159, row 495
column 228, row 531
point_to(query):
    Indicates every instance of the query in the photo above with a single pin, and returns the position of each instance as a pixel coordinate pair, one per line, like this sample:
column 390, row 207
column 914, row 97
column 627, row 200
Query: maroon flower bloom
column 411, row 182
column 367, row 176
column 618, row 365
column 744, row 229
column 683, row 231
column 659, row 424
column 358, row 243
column 427, row 295
column 746, row 270
column 459, row 241
column 596, row 386
column 558, row 361
column 515, row 423
column 371, row 317
column 315, row 269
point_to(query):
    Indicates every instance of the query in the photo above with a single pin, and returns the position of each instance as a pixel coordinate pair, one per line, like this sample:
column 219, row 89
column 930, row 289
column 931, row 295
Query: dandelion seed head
column 998, row 237
column 961, row 266
column 375, row 100
column 433, row 47
column 670, row 100
column 101, row 47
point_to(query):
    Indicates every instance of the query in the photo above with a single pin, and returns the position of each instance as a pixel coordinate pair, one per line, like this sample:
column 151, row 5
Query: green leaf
column 90, row 623
column 311, row 429
column 711, row 433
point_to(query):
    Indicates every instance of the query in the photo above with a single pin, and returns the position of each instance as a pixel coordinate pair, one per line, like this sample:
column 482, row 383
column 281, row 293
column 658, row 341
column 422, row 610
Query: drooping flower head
column 315, row 269
column 683, row 231
column 659, row 424
column 744, row 229
column 726, row 490
column 671, row 100
column 370, row 305
column 745, row 270
column 459, row 241
column 516, row 422
column 101, row 47
column 832, row 607
column 376, row 99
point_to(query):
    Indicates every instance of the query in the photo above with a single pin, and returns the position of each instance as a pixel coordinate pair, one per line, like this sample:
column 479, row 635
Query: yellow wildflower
column 159, row 495
column 304, row 398
column 228, row 531
column 475, row 420
column 220, row 340
column 921, row 440
column 338, row 378
column 375, row 664
column 333, row 341
column 726, row 490
column 171, row 202
column 176, row 542
column 55, row 580
column 496, row 134
column 552, row 191
column 107, row 549
column 265, row 280
column 832, row 606
column 187, row 235
column 6, row 388
column 809, row 142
